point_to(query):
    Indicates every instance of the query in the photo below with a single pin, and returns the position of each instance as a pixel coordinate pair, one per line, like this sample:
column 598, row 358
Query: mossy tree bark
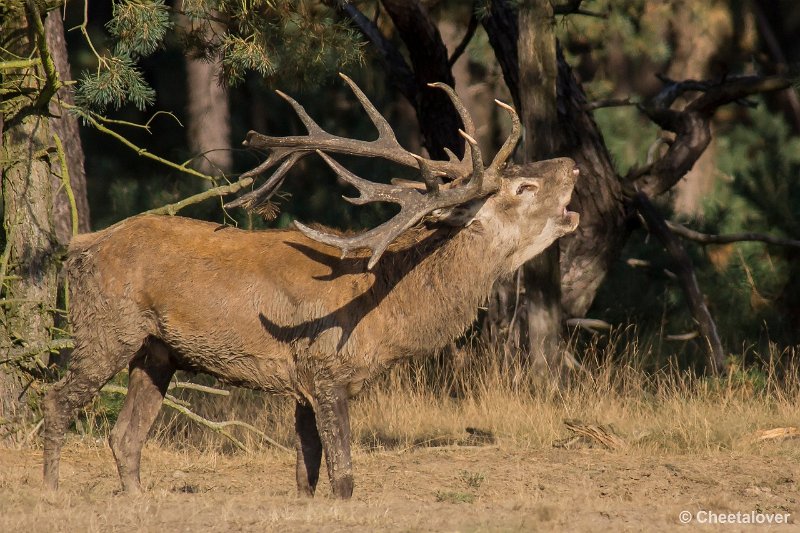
column 29, row 264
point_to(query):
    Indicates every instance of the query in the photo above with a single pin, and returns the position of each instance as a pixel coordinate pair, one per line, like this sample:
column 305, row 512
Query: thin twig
column 194, row 386
column 73, row 206
column 90, row 117
column 19, row 64
column 35, row 350
column 710, row 238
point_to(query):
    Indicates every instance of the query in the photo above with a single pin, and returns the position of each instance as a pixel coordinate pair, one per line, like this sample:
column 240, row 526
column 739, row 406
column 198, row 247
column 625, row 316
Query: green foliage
column 116, row 82
column 628, row 135
column 763, row 158
column 239, row 55
column 139, row 26
column 299, row 43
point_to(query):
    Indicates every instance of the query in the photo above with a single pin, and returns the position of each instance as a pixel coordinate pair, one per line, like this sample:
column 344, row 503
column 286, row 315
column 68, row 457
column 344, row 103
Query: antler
column 414, row 204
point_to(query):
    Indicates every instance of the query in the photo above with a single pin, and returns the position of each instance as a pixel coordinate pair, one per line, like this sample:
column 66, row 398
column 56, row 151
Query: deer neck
column 434, row 289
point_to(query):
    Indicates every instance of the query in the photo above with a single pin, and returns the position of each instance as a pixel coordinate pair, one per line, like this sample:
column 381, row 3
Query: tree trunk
column 209, row 126
column 30, row 276
column 65, row 125
column 587, row 253
column 208, row 113
column 700, row 33
column 429, row 58
column 538, row 74
column 534, row 327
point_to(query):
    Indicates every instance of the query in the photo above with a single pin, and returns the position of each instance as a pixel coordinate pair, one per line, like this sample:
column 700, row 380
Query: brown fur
column 276, row 311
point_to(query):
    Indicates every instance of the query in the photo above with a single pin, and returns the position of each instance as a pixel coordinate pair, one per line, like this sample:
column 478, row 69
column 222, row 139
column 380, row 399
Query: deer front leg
column 333, row 424
column 309, row 449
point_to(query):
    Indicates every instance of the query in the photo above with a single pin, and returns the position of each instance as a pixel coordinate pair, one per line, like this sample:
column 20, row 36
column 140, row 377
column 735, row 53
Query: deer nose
column 575, row 173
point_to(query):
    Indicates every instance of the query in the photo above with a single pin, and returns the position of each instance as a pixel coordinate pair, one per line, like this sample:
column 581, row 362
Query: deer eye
column 527, row 187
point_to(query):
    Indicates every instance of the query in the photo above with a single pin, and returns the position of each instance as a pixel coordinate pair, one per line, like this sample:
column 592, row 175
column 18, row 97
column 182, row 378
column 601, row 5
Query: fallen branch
column 217, row 427
column 589, row 324
column 608, row 102
column 589, row 435
column 195, row 386
column 709, row 238
column 682, row 336
column 777, row 434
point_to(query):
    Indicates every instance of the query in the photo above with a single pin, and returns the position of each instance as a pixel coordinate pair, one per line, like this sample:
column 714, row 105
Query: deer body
column 282, row 311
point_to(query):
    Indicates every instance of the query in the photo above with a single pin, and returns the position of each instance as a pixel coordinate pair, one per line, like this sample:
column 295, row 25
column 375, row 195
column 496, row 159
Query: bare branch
column 692, row 124
column 20, row 354
column 657, row 226
column 194, row 386
column 609, row 102
column 399, row 71
column 573, row 7
column 709, row 238
column 222, row 190
column 471, row 27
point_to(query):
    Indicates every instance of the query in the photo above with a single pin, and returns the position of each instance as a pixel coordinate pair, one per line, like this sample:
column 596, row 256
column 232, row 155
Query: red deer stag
column 308, row 313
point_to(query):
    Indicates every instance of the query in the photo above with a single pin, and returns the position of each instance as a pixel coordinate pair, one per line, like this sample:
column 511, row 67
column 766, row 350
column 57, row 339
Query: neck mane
column 432, row 283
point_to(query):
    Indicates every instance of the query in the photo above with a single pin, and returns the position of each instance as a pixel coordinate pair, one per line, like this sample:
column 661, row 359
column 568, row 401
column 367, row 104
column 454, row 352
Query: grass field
column 668, row 442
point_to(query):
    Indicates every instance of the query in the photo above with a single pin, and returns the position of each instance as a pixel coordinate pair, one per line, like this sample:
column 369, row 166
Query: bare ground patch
column 498, row 488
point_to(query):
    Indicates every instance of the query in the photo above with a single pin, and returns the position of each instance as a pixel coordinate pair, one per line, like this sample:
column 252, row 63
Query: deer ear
column 526, row 187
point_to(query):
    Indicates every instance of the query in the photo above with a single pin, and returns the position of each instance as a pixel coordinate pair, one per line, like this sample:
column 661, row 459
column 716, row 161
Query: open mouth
column 570, row 218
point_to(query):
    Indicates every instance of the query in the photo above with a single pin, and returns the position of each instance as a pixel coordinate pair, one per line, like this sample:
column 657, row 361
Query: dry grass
column 432, row 403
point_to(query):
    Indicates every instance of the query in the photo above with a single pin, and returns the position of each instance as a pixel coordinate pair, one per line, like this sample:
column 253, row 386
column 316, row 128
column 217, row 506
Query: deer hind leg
column 85, row 377
column 333, row 424
column 309, row 449
column 149, row 375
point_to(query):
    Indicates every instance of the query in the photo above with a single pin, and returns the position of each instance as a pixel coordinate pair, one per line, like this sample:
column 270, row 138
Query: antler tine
column 312, row 127
column 451, row 155
column 469, row 126
column 376, row 240
column 381, row 124
column 430, row 178
column 508, row 147
column 478, row 171
column 412, row 209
